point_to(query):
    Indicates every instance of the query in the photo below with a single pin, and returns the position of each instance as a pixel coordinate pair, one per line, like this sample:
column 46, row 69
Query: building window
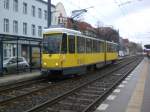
column 15, row 5
column 58, row 20
column 33, row 11
column 25, row 28
column 33, row 30
column 15, row 26
column 25, row 8
column 40, row 31
column 6, row 25
column 39, row 12
column 45, row 15
column 6, row 4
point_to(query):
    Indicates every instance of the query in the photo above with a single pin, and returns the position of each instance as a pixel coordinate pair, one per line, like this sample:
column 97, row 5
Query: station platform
column 9, row 79
column 133, row 94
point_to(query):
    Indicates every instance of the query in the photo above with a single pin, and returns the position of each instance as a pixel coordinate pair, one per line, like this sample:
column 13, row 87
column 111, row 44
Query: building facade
column 22, row 18
column 59, row 15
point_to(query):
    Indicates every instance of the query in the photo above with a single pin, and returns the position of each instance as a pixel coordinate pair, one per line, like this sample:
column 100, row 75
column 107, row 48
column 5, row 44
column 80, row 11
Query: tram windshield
column 52, row 43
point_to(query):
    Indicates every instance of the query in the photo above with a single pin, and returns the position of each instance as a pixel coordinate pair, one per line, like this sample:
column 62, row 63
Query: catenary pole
column 49, row 13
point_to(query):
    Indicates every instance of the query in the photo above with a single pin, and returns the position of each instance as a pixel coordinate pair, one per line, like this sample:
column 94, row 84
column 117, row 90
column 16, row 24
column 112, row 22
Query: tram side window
column 80, row 44
column 64, row 44
column 88, row 45
column 94, row 45
column 111, row 47
column 98, row 46
column 108, row 47
column 102, row 46
column 114, row 48
column 71, row 40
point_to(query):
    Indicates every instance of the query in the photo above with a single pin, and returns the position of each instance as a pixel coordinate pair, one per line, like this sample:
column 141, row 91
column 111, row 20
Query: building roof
column 42, row 1
column 125, row 40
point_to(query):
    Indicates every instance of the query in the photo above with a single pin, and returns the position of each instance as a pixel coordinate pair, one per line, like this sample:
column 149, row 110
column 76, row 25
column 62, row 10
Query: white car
column 10, row 64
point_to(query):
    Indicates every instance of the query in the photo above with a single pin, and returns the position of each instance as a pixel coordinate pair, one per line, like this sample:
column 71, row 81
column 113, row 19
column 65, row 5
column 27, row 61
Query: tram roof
column 61, row 30
column 70, row 31
column 111, row 42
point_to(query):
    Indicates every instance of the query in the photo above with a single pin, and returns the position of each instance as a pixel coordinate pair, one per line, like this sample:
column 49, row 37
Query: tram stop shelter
column 16, row 47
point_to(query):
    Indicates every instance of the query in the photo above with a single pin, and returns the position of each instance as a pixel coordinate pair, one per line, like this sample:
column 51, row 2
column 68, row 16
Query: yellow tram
column 67, row 52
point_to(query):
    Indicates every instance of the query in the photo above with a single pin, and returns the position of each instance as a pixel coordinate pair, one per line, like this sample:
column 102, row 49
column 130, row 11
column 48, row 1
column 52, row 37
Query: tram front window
column 52, row 43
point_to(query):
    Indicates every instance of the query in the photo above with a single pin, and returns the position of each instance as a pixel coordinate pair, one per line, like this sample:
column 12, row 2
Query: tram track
column 20, row 84
column 75, row 101
column 39, row 94
column 16, row 92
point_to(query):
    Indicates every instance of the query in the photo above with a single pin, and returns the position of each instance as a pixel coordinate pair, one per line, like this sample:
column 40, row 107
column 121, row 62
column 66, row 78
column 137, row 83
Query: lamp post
column 49, row 13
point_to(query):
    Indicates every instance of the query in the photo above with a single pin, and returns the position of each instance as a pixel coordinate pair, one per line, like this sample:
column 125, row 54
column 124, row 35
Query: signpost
column 49, row 13
column 1, row 58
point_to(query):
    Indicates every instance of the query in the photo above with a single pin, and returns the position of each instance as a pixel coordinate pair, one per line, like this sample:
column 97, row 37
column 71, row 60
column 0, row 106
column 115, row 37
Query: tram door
column 81, row 50
column 71, row 55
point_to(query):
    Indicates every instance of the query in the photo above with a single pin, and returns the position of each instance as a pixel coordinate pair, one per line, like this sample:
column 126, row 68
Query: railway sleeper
column 79, row 100
column 70, row 106
column 102, row 86
column 85, row 95
column 102, row 82
column 96, row 88
column 54, row 110
column 7, row 95
column 92, row 92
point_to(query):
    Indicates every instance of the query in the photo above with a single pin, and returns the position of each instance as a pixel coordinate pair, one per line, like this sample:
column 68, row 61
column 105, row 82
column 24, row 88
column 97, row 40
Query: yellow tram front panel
column 51, row 61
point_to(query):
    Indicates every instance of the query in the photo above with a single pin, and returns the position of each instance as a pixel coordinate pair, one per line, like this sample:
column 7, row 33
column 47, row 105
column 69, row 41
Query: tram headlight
column 45, row 64
column 56, row 64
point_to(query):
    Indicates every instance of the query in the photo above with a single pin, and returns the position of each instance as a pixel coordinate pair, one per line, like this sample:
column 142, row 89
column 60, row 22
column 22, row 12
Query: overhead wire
column 123, row 11
column 100, row 13
column 93, row 16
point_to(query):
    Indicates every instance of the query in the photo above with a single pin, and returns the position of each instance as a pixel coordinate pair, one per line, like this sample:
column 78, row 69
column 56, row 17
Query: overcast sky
column 130, row 17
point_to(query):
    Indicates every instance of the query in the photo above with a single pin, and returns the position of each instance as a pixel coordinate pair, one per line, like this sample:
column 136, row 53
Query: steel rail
column 59, row 98
column 106, row 93
column 19, row 97
column 18, row 85
column 4, row 102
